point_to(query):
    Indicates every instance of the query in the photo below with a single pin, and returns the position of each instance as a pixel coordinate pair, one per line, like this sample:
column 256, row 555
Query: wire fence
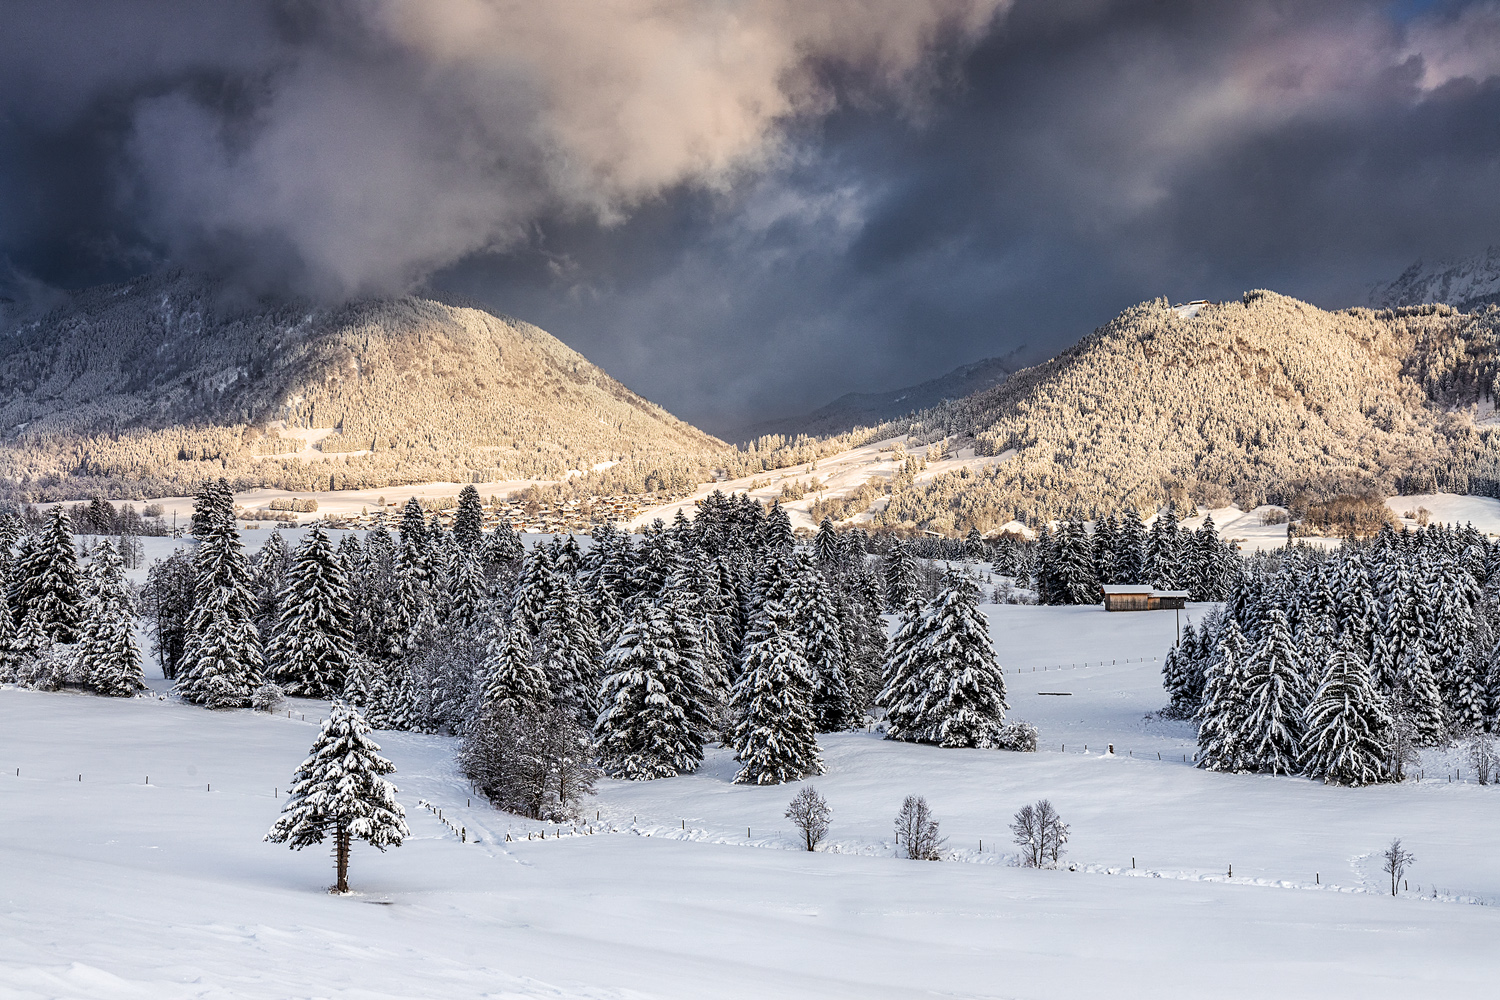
column 1078, row 666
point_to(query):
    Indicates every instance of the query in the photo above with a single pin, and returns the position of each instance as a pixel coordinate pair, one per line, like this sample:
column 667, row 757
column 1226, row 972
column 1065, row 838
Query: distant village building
column 1140, row 597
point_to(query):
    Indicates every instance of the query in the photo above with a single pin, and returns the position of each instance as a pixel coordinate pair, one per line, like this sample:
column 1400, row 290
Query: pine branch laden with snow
column 340, row 792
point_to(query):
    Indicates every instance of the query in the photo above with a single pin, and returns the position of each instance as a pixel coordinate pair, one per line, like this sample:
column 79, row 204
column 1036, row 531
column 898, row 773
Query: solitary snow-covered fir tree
column 1346, row 722
column 108, row 657
column 314, row 637
column 958, row 699
column 771, row 704
column 221, row 660
column 339, row 792
column 652, row 722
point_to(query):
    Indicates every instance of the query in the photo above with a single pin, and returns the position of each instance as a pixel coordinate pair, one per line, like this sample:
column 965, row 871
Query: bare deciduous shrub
column 917, row 830
column 1397, row 860
column 536, row 764
column 1040, row 833
column 810, row 813
column 1479, row 753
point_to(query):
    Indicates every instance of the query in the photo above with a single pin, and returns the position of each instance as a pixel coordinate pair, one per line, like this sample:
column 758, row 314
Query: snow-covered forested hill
column 119, row 889
column 1470, row 283
column 145, row 388
column 1247, row 402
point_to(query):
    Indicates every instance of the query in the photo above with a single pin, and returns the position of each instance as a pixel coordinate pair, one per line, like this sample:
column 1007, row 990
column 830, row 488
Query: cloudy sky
column 743, row 208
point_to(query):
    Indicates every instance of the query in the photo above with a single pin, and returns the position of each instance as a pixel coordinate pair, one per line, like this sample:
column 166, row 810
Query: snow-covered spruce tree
column 1164, row 557
column 1275, row 699
column 221, row 659
column 1417, row 691
column 816, row 615
column 512, row 678
column 271, row 565
column 46, row 580
column 108, row 658
column 340, row 792
column 1222, row 716
column 468, row 523
column 778, row 536
column 533, row 587
column 772, row 704
column 963, row 702
column 314, row 640
column 466, row 593
column 652, row 721
column 10, row 654
column 569, row 649
column 1182, row 675
column 1073, row 569
column 503, row 550
column 900, row 577
column 826, row 544
column 1104, row 549
column 1346, row 723
column 903, row 695
column 1130, row 549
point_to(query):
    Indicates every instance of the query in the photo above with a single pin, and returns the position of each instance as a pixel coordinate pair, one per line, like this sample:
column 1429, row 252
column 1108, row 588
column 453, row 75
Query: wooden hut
column 1140, row 597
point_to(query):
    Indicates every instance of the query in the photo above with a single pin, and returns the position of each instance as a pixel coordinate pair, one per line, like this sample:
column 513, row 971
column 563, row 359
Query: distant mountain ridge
column 1466, row 284
column 866, row 409
column 150, row 385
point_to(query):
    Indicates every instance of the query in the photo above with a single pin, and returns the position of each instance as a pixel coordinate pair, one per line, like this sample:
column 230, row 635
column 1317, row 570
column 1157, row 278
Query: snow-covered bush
column 1020, row 736
column 267, row 698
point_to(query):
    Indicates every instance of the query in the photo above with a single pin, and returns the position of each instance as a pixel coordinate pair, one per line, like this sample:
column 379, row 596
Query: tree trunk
column 341, row 857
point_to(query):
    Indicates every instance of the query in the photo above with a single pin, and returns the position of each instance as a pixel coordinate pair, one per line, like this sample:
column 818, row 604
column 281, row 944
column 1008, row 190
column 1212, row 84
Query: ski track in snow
column 115, row 888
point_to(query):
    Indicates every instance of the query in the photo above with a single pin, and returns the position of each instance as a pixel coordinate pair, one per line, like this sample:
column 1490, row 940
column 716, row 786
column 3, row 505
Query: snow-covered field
column 691, row 887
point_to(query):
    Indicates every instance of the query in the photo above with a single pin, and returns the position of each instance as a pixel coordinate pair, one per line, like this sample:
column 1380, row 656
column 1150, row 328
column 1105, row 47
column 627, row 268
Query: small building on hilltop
column 1141, row 597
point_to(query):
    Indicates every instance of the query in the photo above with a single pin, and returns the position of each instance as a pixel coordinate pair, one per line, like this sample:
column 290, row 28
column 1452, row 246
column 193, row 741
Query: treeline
column 1073, row 562
column 1340, row 664
column 620, row 656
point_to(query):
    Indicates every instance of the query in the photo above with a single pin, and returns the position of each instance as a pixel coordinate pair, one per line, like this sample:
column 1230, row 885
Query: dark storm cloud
column 1095, row 155
column 747, row 208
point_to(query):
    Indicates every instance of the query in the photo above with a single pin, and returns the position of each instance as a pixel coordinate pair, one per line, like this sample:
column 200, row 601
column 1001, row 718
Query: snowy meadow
column 694, row 886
